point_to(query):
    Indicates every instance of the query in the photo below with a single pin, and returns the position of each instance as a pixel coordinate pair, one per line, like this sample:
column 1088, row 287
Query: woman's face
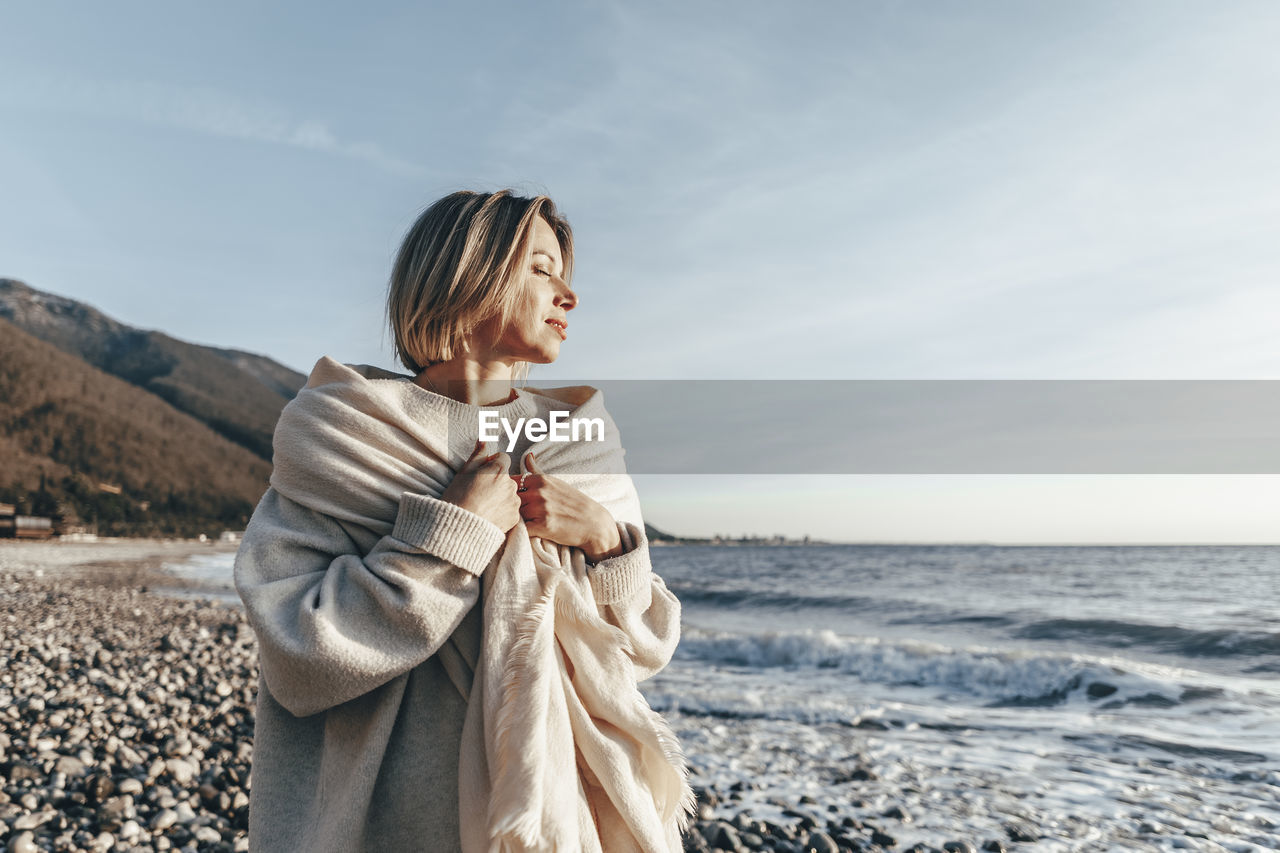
column 539, row 324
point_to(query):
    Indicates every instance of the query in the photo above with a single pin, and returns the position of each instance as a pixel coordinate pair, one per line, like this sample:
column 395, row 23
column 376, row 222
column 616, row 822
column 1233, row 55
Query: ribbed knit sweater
column 369, row 633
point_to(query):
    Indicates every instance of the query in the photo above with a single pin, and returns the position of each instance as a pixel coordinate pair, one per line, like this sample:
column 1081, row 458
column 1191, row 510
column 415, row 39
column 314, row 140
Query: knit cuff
column 447, row 531
column 620, row 579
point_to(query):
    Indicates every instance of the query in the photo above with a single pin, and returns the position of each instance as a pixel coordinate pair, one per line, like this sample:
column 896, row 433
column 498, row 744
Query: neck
column 470, row 380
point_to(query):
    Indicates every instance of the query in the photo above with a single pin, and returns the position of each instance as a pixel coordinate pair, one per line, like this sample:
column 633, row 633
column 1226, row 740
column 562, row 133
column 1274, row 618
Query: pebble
column 31, row 821
column 820, row 842
column 23, row 842
column 19, row 771
column 177, row 747
column 70, row 765
column 884, row 839
column 898, row 813
column 182, row 771
column 129, row 786
column 1020, row 832
column 207, row 834
column 723, row 836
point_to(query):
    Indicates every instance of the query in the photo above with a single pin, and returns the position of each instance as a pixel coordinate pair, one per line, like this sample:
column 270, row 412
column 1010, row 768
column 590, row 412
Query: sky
column 854, row 190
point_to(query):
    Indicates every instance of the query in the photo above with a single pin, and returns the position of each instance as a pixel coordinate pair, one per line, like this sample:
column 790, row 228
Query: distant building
column 27, row 527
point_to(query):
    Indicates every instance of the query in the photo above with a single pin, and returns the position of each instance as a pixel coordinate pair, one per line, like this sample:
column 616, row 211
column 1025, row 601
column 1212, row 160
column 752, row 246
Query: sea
column 1066, row 697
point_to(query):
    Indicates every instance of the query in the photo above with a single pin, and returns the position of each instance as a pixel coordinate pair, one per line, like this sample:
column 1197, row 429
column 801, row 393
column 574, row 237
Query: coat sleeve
column 635, row 598
column 333, row 624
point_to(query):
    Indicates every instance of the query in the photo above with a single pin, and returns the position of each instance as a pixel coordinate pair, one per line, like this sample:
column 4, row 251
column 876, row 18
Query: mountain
column 653, row 534
column 78, row 442
column 237, row 394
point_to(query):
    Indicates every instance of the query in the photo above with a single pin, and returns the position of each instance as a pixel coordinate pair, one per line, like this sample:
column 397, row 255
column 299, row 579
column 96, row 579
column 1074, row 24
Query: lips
column 560, row 326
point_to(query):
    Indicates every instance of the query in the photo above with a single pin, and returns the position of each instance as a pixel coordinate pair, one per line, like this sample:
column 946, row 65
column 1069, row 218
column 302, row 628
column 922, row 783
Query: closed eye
column 541, row 271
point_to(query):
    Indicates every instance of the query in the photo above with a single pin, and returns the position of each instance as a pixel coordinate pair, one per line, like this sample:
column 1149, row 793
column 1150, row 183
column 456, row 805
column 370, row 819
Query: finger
column 500, row 460
column 531, row 463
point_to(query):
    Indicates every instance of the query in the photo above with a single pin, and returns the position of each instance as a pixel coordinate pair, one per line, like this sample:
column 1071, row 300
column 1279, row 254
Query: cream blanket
column 560, row 750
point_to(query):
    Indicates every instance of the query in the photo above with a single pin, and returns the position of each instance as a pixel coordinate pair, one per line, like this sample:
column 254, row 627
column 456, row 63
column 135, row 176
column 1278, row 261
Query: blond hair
column 462, row 262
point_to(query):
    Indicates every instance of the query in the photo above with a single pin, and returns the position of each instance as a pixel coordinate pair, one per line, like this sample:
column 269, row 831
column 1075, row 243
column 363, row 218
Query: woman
column 449, row 644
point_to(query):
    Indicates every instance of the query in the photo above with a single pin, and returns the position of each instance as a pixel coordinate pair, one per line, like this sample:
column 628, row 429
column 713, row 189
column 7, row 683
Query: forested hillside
column 67, row 429
column 237, row 394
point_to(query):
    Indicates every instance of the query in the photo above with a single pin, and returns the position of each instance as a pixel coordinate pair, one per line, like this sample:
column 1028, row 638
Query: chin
column 541, row 357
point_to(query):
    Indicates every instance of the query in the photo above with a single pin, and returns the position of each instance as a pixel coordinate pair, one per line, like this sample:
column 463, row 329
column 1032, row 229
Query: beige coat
column 395, row 714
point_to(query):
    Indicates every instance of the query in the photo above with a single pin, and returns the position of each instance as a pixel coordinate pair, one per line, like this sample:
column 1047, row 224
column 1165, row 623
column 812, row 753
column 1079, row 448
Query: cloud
column 956, row 206
column 200, row 110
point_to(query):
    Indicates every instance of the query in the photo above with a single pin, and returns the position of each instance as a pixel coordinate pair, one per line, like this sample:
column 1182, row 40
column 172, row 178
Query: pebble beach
column 126, row 722
column 126, row 712
column 126, row 715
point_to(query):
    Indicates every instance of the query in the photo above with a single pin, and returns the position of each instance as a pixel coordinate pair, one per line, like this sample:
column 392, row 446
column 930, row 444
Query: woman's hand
column 483, row 487
column 552, row 509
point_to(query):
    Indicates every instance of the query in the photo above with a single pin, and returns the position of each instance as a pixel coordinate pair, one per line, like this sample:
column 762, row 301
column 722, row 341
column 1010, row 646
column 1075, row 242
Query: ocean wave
column 1166, row 638
column 742, row 597
column 996, row 678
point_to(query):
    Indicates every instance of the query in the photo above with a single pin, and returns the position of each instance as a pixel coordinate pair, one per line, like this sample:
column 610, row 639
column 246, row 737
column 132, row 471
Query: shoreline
column 116, row 562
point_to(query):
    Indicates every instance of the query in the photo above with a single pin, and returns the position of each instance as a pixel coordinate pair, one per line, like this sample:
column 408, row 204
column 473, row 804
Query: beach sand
column 126, row 715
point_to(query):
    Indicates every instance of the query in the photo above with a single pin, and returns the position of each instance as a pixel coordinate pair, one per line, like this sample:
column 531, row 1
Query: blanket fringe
column 574, row 609
column 522, row 825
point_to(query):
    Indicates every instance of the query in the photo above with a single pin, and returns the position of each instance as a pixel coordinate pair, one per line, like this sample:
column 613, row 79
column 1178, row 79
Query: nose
column 565, row 297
